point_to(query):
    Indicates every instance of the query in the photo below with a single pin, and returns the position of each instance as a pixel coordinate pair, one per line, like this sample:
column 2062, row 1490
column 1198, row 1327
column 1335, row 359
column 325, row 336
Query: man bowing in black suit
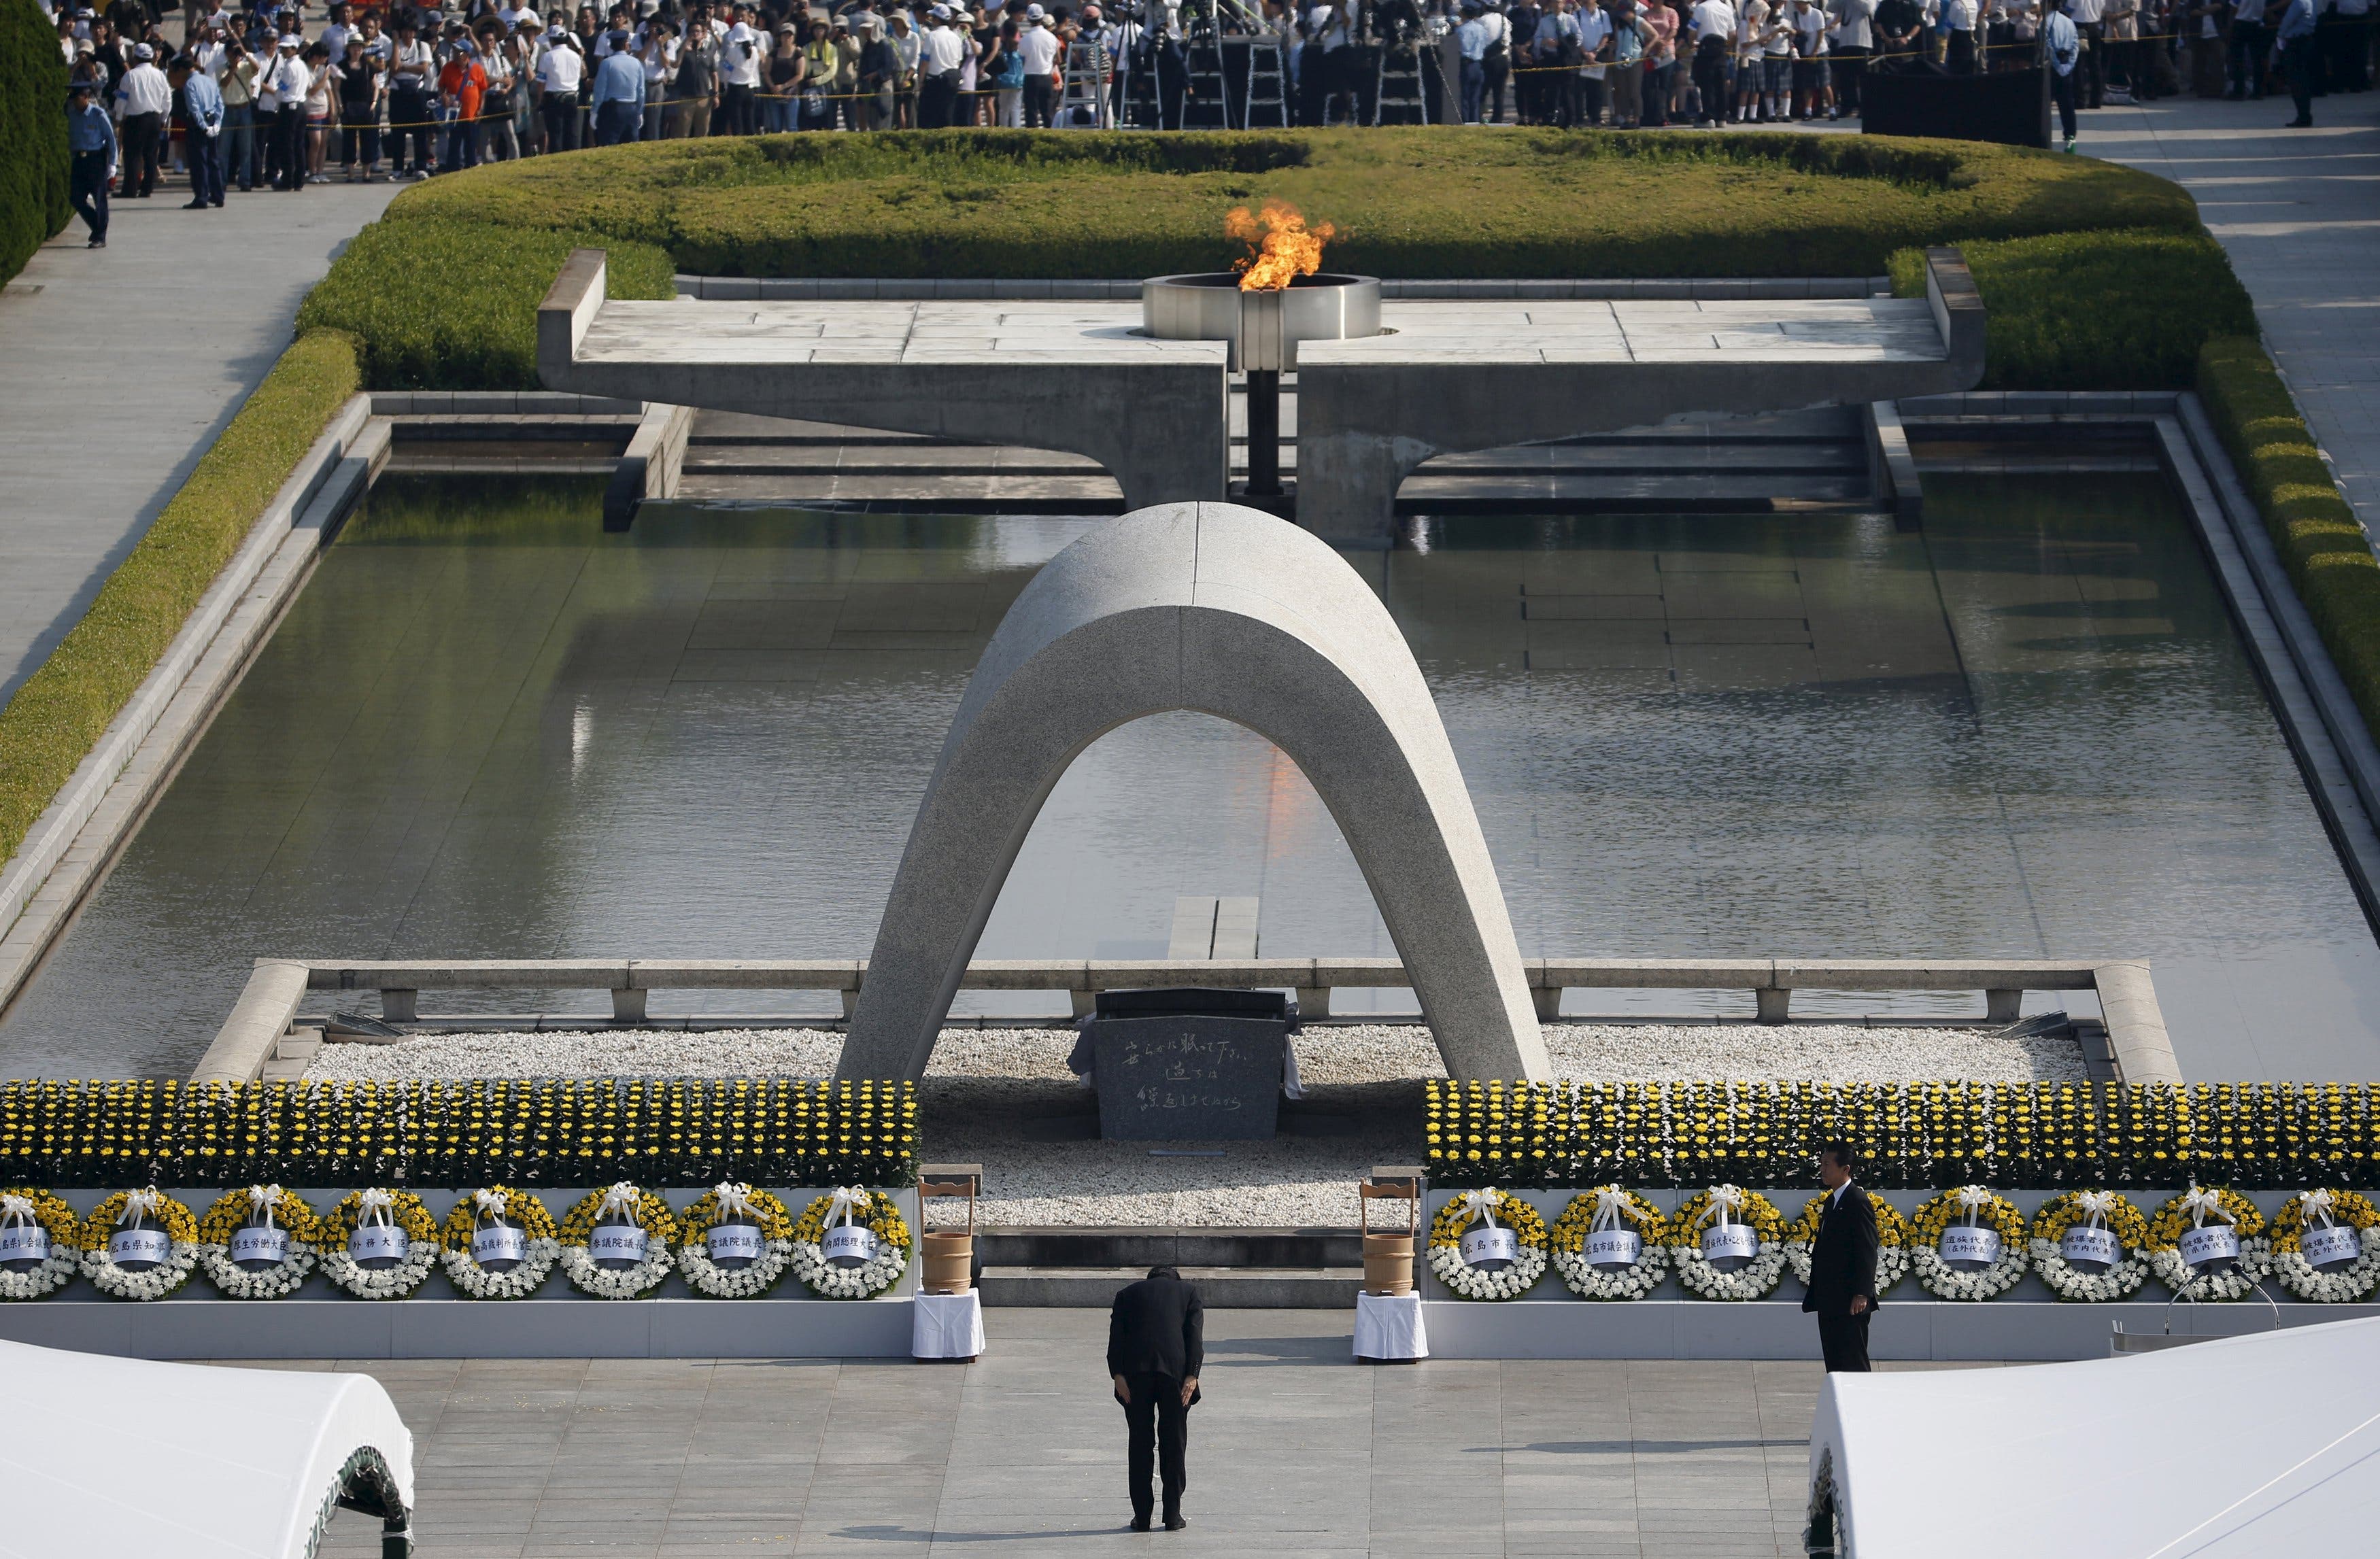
column 1156, row 1344
column 1842, row 1263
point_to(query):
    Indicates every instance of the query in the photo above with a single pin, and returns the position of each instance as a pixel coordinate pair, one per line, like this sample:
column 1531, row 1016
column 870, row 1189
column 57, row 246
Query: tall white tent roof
column 2253, row 1446
column 106, row 1456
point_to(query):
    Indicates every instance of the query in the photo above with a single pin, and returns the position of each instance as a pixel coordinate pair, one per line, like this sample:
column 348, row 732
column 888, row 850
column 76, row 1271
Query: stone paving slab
column 2299, row 212
column 1294, row 1449
column 118, row 366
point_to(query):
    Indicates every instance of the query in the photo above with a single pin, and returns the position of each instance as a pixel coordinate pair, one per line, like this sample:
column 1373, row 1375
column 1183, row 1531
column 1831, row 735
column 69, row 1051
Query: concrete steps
column 1219, row 1288
column 1234, row 1268
column 1790, row 460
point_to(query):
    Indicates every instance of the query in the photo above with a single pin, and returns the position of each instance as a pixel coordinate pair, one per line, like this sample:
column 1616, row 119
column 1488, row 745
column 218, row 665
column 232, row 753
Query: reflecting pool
column 486, row 729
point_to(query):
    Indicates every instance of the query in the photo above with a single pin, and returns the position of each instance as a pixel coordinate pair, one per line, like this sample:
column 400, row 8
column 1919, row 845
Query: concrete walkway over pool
column 2299, row 212
column 118, row 366
column 1294, row 1449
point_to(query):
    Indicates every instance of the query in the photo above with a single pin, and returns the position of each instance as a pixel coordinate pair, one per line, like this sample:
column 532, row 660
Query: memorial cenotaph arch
column 1228, row 611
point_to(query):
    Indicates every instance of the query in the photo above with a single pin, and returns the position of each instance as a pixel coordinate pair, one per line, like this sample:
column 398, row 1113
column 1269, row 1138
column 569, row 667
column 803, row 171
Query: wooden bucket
column 1389, row 1264
column 950, row 1261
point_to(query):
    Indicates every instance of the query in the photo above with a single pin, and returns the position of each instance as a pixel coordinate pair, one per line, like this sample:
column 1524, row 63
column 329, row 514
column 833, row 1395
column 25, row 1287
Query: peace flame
column 1281, row 247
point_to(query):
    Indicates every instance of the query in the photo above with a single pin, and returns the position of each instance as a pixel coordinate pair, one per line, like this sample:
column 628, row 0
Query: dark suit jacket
column 1157, row 1327
column 1842, row 1259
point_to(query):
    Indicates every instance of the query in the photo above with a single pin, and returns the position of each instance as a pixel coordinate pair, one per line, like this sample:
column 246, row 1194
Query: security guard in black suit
column 1155, row 1345
column 1842, row 1263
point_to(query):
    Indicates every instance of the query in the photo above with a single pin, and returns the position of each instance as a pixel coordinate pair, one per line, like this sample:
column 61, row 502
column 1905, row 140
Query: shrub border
column 61, row 712
column 2322, row 544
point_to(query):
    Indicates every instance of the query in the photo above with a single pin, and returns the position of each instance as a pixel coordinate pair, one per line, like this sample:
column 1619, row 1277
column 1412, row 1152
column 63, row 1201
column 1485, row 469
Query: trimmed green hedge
column 447, row 305
column 2105, row 310
column 32, row 134
column 1410, row 203
column 62, row 709
column 2328, row 557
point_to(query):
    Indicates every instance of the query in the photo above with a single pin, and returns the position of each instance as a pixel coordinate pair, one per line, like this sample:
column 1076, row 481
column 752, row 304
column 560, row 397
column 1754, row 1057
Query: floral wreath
column 2311, row 1210
column 1891, row 1242
column 1603, row 1209
column 1487, row 1205
column 142, row 1207
column 717, row 1205
column 1967, row 1207
column 282, row 1211
column 388, row 1209
column 619, row 1203
column 2108, row 1210
column 1722, row 1206
column 2191, row 1210
column 60, row 1243
column 871, row 1210
column 542, row 1245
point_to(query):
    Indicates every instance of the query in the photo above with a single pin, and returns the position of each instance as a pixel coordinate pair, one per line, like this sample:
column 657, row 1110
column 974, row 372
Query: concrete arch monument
column 1225, row 611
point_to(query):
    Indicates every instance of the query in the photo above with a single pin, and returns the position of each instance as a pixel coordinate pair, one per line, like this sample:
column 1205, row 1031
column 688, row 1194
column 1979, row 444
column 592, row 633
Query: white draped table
column 1389, row 1328
column 947, row 1326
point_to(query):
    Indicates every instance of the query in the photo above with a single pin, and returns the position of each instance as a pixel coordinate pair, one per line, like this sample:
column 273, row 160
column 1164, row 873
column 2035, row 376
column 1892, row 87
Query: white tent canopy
column 2261, row 1444
column 109, row 1457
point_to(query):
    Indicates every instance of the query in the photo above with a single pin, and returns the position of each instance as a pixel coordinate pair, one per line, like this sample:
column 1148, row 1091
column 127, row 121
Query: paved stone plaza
column 2299, row 212
column 1294, row 1449
column 122, row 366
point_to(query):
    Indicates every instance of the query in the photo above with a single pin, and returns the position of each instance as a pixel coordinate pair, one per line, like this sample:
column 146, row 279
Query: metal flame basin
column 1263, row 328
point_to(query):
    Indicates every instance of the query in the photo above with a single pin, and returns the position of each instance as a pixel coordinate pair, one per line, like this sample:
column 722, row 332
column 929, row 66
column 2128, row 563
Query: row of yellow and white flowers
column 1967, row 1243
column 499, row 1242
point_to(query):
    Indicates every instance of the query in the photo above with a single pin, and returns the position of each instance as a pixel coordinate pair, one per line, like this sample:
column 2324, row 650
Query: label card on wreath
column 138, row 1250
column 2210, row 1245
column 1980, row 1247
column 733, row 1245
column 2322, row 1247
column 1490, row 1249
column 259, row 1248
column 377, row 1242
column 499, row 1247
column 1732, row 1242
column 849, row 1245
column 2079, row 1245
column 616, row 1246
column 1614, row 1248
column 24, row 1244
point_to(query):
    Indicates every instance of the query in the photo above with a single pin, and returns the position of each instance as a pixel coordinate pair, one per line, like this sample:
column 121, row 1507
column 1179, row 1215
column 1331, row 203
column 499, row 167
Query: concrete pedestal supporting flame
column 1223, row 610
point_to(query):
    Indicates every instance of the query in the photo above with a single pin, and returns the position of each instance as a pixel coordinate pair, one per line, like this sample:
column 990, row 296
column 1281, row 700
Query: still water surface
column 488, row 730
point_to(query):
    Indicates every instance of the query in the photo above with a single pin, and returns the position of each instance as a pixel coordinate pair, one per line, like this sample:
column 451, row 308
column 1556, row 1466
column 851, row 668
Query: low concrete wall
column 70, row 845
column 1127, row 290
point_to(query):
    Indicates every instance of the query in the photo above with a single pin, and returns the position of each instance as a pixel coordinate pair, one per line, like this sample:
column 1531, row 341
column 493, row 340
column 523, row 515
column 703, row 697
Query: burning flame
column 1286, row 251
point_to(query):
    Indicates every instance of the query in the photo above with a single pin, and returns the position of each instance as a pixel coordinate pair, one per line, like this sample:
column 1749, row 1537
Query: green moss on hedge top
column 1408, row 203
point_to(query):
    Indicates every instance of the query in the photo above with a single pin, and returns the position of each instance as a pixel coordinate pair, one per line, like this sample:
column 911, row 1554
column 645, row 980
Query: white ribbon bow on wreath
column 1479, row 1205
column 486, row 1203
column 375, row 1207
column 17, row 1211
column 2199, row 1203
column 1725, row 1202
column 2316, row 1204
column 1971, row 1201
column 261, row 1198
column 619, row 1200
column 1610, row 1203
column 845, row 1206
column 2096, row 1207
column 139, row 1205
column 735, row 1197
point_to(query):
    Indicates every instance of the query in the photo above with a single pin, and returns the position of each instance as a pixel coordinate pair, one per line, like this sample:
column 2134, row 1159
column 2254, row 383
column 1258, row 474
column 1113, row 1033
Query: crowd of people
column 1644, row 63
column 268, row 98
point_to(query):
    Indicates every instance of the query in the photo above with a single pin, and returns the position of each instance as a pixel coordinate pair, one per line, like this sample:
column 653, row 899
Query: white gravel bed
column 1356, row 1053
column 994, row 1096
